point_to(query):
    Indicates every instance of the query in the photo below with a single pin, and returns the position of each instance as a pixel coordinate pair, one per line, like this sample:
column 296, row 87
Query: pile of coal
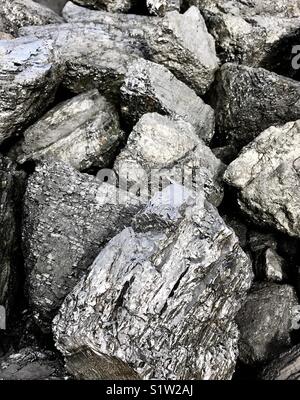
column 149, row 190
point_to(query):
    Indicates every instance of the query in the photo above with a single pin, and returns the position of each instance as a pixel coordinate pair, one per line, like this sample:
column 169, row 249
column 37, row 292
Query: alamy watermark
column 296, row 58
column 144, row 184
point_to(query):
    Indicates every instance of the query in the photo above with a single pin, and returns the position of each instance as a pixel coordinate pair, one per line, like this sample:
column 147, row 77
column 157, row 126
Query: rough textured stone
column 266, row 321
column 29, row 78
column 272, row 267
column 285, row 367
column 83, row 132
column 249, row 100
column 267, row 178
column 31, row 364
column 252, row 33
column 160, row 299
column 15, row 14
column 161, row 7
column 92, row 57
column 55, row 5
column 180, row 42
column 11, row 192
column 159, row 148
column 107, row 5
column 267, row 264
column 68, row 217
column 150, row 87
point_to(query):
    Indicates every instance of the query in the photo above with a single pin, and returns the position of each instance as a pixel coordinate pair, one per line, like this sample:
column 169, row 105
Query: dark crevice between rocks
column 139, row 8
column 245, row 372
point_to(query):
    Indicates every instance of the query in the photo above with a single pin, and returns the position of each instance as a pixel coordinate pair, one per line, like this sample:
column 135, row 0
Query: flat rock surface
column 83, row 132
column 29, row 77
column 68, row 217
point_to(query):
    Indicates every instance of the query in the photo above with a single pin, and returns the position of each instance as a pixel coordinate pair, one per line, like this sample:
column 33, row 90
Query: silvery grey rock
column 107, row 5
column 11, row 192
column 159, row 148
column 68, row 217
column 15, row 14
column 266, row 321
column 285, row 367
column 266, row 176
column 31, row 363
column 83, row 132
column 160, row 299
column 150, row 87
column 180, row 42
column 161, row 7
column 272, row 267
column 55, row 5
column 249, row 100
column 267, row 264
column 28, row 82
column 252, row 33
column 92, row 58
column 251, row 8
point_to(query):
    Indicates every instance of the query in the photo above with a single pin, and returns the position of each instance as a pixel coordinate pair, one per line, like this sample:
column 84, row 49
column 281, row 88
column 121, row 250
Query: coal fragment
column 29, row 78
column 160, row 300
column 83, row 132
column 267, row 178
column 266, row 321
column 250, row 100
column 160, row 149
column 68, row 217
column 14, row 14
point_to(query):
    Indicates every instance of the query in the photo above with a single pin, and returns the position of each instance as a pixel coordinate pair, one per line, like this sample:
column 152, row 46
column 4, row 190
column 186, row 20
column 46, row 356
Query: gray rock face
column 249, row 100
column 55, row 5
column 11, row 191
column 150, row 87
column 15, row 14
column 68, row 217
column 159, row 148
column 91, row 57
column 285, row 367
column 267, row 264
column 83, row 132
column 251, row 8
column 251, row 32
column 31, row 364
column 161, row 7
column 266, row 321
column 28, row 82
column 266, row 176
column 272, row 266
column 107, row 5
column 180, row 42
column 160, row 299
